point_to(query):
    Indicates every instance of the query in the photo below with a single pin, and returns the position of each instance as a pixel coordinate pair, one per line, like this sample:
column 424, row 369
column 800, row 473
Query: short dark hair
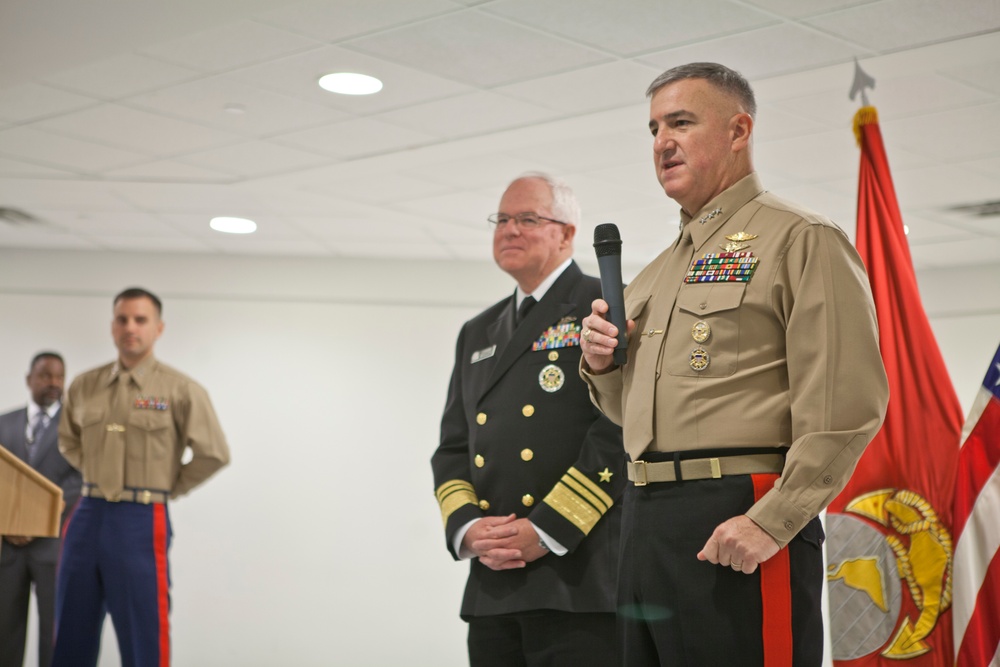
column 138, row 293
column 720, row 76
column 47, row 354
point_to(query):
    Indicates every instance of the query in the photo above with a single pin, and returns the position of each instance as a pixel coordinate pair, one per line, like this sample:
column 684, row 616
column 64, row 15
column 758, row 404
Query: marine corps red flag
column 976, row 611
column 890, row 545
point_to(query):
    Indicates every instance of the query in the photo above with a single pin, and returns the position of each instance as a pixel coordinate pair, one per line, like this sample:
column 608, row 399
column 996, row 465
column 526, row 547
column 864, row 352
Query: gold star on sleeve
column 605, row 475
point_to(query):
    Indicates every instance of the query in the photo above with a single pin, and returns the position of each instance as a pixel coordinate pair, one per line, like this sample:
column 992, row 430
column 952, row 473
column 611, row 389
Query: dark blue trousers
column 114, row 560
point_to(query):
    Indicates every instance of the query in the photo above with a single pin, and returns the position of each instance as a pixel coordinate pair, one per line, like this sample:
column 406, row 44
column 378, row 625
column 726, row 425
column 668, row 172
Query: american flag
column 976, row 584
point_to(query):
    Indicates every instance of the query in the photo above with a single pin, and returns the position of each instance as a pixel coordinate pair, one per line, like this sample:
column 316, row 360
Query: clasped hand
column 503, row 542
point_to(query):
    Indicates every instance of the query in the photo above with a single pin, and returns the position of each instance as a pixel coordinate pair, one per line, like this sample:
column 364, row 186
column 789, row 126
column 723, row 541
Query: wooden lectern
column 29, row 503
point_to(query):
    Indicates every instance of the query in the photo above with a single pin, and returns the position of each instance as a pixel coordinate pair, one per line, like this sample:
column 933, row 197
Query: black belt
column 141, row 496
column 701, row 464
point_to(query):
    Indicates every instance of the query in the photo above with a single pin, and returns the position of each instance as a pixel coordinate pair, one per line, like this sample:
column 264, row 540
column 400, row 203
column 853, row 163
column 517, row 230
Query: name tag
column 485, row 353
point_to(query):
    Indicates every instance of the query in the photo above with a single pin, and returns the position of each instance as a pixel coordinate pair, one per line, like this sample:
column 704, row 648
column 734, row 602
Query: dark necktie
column 41, row 421
column 526, row 305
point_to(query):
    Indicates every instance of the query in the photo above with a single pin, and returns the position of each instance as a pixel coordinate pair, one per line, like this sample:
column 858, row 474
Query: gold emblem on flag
column 923, row 553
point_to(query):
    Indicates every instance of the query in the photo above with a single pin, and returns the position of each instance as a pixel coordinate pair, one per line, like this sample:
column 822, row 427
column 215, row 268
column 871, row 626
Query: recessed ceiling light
column 349, row 83
column 233, row 225
column 235, row 108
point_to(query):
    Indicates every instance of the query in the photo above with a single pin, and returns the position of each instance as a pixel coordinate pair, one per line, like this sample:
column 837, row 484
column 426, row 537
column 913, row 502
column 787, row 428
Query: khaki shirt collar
column 139, row 372
column 713, row 215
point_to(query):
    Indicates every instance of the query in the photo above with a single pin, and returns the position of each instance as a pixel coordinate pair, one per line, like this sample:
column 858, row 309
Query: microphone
column 608, row 246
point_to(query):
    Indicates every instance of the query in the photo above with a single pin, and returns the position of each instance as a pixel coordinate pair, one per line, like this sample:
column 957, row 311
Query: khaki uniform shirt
column 129, row 429
column 789, row 358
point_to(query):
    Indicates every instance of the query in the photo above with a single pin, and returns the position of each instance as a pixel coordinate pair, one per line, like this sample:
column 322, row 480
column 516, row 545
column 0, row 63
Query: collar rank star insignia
column 551, row 378
column 708, row 216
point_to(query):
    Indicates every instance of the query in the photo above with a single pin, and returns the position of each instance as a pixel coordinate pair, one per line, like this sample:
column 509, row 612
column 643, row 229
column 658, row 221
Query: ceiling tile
column 604, row 150
column 235, row 107
column 52, row 150
column 924, row 229
column 31, row 101
column 169, row 171
column 810, row 158
column 10, row 168
column 605, row 86
column 803, row 8
column 229, row 46
column 385, row 188
column 121, row 75
column 956, row 253
column 65, row 195
column 97, row 223
column 135, row 130
column 336, row 230
column 393, row 250
column 467, row 208
column 354, row 138
column 126, row 242
column 484, row 170
column 984, row 75
column 16, row 237
column 641, row 26
column 790, row 48
column 465, row 115
column 255, row 158
column 195, row 200
column 332, row 21
column 898, row 24
column 921, row 188
column 783, row 121
column 477, row 49
column 956, row 134
column 299, row 76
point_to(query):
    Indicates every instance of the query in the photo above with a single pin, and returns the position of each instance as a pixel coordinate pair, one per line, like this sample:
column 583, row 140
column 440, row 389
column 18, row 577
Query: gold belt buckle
column 716, row 468
column 638, row 466
column 145, row 497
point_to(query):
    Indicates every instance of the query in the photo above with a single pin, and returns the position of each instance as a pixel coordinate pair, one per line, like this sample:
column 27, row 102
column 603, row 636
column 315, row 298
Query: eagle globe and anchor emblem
column 868, row 566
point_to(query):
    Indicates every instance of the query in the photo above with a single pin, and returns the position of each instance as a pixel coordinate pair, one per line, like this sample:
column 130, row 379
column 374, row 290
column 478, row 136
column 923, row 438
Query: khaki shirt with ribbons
column 788, row 358
column 129, row 429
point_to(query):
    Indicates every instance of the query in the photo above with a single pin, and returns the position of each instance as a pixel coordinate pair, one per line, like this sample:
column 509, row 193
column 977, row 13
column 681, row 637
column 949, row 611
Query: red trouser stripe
column 775, row 594
column 162, row 586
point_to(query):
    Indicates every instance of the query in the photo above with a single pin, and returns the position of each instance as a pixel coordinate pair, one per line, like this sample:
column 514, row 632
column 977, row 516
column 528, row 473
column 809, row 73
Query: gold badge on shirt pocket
column 551, row 378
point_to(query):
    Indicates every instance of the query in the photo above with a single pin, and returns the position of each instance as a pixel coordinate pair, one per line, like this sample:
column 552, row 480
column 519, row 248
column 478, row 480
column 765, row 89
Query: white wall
column 321, row 544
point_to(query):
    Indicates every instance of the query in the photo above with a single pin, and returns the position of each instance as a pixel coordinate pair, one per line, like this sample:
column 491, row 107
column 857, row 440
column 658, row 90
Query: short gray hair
column 720, row 76
column 564, row 204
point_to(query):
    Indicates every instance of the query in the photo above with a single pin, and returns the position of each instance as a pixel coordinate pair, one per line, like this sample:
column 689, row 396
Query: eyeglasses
column 523, row 220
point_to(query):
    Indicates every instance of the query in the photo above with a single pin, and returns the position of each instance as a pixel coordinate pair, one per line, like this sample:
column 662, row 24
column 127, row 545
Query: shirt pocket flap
column 634, row 305
column 716, row 299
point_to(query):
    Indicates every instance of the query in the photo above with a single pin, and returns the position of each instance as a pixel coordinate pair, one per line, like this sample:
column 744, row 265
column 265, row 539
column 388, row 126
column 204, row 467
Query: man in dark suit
column 528, row 473
column 31, row 434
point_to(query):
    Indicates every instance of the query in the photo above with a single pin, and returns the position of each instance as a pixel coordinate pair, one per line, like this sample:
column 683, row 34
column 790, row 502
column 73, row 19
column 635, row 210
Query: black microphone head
column 607, row 240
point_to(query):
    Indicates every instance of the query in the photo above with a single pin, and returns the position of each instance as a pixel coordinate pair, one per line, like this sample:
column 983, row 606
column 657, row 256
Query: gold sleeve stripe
column 572, row 507
column 591, row 486
column 454, row 494
column 584, row 494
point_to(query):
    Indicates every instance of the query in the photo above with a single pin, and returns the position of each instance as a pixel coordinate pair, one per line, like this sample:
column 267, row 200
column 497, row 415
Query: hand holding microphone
column 605, row 332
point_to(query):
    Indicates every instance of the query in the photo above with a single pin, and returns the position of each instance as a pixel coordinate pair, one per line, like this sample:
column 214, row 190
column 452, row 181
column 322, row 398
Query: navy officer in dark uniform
column 528, row 472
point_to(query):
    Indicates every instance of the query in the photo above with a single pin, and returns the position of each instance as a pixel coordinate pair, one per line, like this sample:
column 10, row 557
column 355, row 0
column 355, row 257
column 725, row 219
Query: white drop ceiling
column 127, row 124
